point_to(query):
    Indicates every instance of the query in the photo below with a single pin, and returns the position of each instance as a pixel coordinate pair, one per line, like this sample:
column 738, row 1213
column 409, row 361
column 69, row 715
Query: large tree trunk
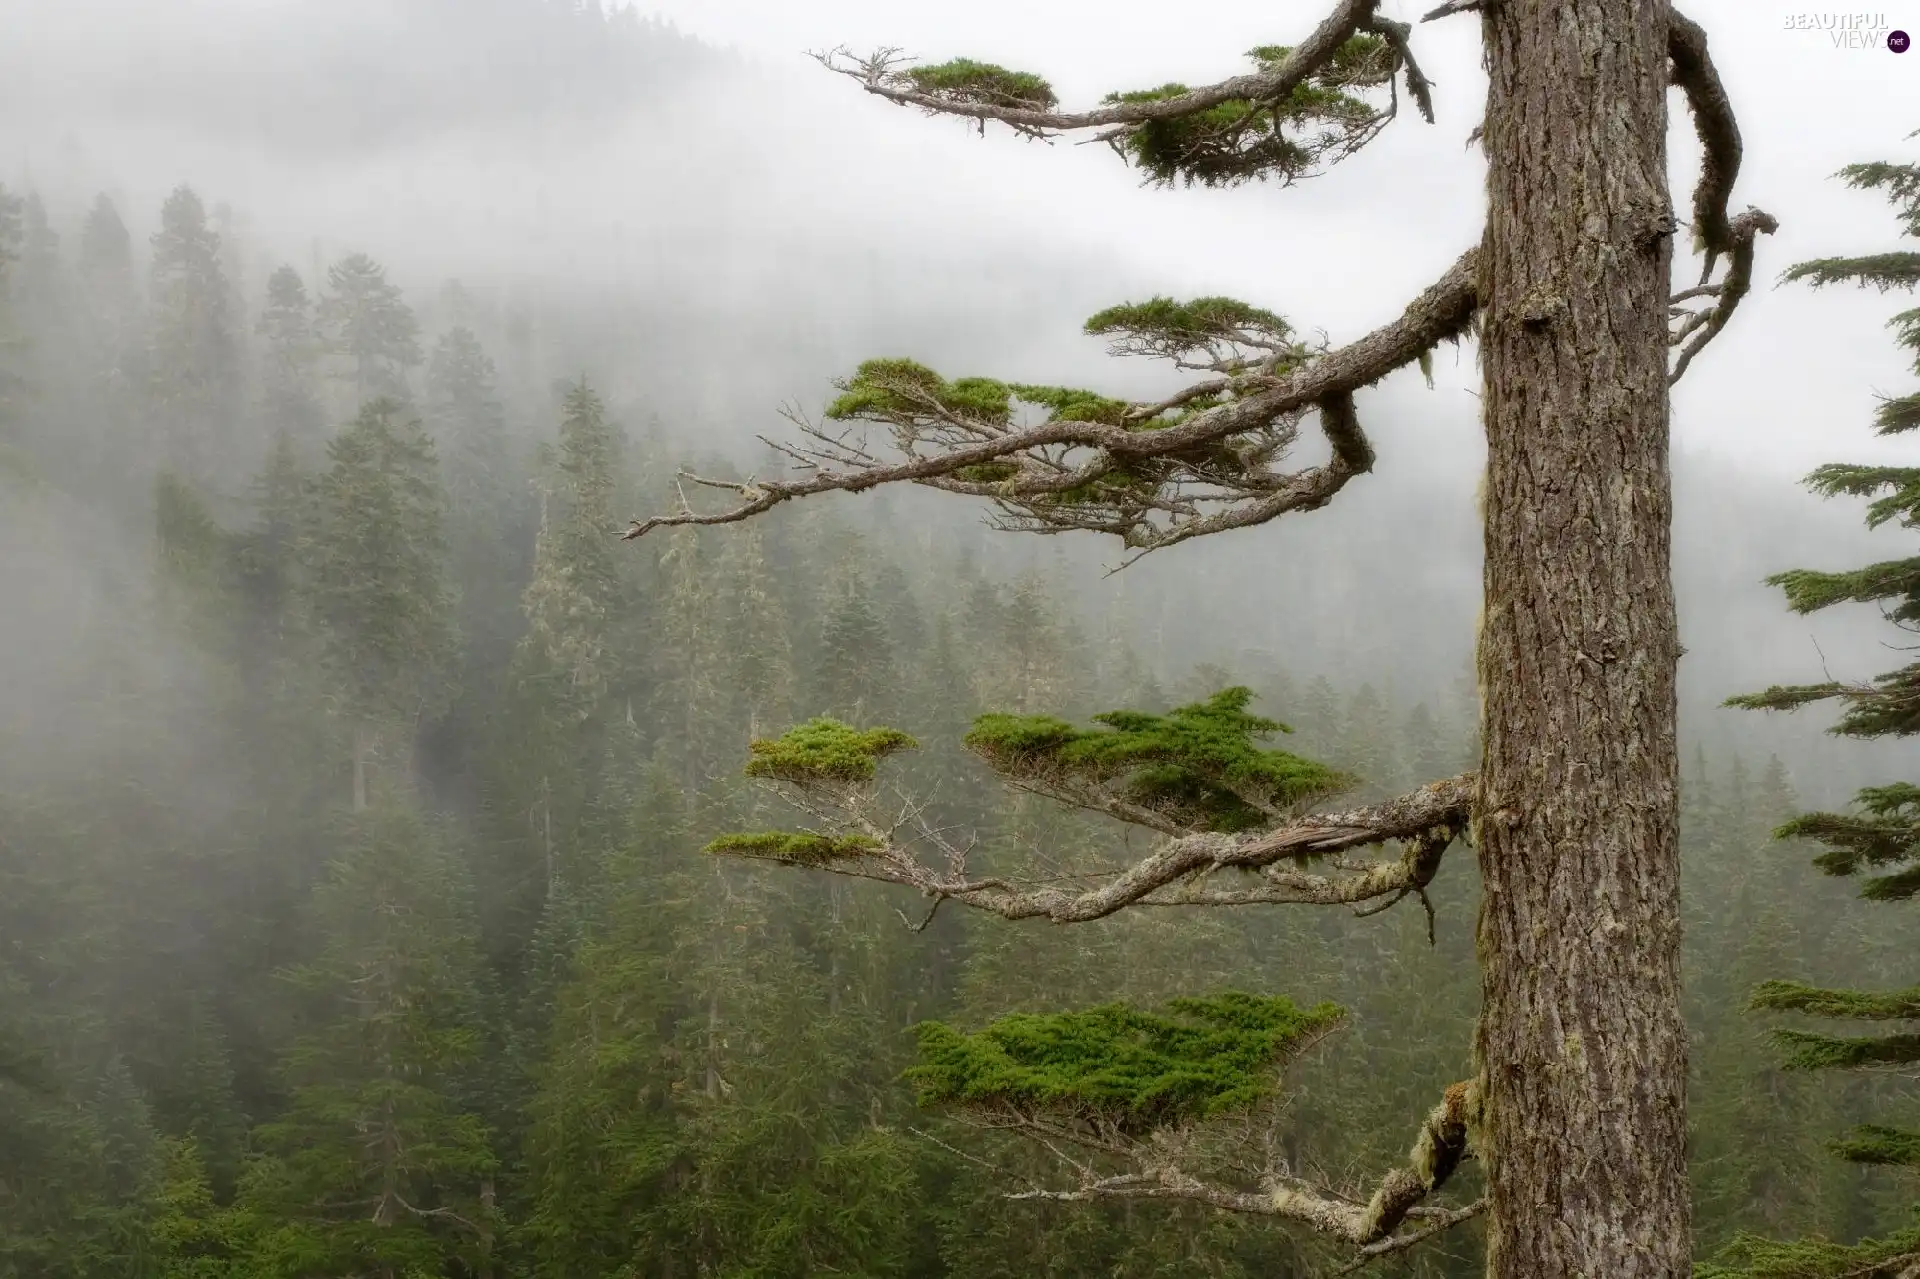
column 1581, row 1044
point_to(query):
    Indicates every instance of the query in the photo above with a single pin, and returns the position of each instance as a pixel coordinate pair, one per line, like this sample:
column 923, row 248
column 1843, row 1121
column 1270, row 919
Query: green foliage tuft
column 1119, row 1067
column 1069, row 404
column 1883, row 271
column 1197, row 764
column 1874, row 1144
column 1241, row 141
column 1752, row 1257
column 1170, row 329
column 890, row 388
column 983, row 84
column 1810, row 1050
column 1858, row 1005
column 1901, row 182
column 824, row 750
column 797, row 848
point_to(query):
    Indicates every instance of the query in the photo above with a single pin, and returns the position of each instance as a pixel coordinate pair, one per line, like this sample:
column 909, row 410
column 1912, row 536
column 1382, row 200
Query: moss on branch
column 1119, row 1067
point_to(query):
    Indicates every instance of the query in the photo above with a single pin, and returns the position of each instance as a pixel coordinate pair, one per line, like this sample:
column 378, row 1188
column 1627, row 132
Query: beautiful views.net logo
column 1852, row 30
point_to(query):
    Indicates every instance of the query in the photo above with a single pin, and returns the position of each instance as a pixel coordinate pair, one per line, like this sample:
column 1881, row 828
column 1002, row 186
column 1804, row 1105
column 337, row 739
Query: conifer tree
column 1880, row 840
column 193, row 354
column 378, row 1167
column 491, row 527
column 377, row 585
column 10, row 340
column 369, row 329
column 109, row 360
column 292, row 355
column 1577, row 791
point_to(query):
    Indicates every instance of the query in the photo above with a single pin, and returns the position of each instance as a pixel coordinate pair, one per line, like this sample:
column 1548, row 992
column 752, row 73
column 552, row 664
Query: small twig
column 1400, row 1243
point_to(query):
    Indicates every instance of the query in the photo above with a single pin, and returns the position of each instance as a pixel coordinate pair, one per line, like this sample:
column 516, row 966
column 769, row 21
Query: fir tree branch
column 1438, row 1150
column 1857, row 1005
column 945, row 442
column 1027, row 110
column 1427, row 820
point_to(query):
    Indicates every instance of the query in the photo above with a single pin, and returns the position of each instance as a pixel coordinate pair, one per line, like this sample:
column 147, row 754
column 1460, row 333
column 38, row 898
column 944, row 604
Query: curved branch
column 1440, row 313
column 1347, row 20
column 1699, row 327
column 1427, row 820
column 1438, row 1149
column 1400, row 1243
column 1719, row 131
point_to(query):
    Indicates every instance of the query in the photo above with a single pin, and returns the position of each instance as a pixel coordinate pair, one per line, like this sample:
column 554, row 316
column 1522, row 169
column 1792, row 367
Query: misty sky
column 789, row 173
column 1783, row 387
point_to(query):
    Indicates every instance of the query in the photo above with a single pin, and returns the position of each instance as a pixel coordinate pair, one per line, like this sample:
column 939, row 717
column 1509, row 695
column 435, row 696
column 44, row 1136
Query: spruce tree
column 10, row 340
column 1880, row 840
column 1577, row 1102
column 289, row 377
column 193, row 356
column 375, row 571
column 369, row 329
column 379, row 1166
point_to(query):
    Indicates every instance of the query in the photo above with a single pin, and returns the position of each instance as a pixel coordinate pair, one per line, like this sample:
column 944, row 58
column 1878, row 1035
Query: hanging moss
column 1193, row 764
column 797, row 848
column 1115, row 1065
column 824, row 750
column 983, row 84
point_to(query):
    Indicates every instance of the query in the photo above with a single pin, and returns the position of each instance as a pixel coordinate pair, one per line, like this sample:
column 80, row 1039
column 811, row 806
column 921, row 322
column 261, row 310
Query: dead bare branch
column 1697, row 327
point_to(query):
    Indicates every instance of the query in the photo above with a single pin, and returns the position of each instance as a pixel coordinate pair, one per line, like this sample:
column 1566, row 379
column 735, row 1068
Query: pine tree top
column 1117, row 1066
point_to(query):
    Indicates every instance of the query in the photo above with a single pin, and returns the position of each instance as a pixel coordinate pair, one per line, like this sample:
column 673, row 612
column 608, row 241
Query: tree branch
column 1175, row 874
column 1700, row 326
column 939, row 443
column 1400, row 1243
column 1438, row 1150
column 1713, row 119
column 877, row 76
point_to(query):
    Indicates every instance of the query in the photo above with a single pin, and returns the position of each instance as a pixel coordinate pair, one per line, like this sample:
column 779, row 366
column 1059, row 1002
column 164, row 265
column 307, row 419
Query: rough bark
column 1581, row 1043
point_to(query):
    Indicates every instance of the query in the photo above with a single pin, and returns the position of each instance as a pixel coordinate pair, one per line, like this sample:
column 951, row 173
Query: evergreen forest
column 360, row 791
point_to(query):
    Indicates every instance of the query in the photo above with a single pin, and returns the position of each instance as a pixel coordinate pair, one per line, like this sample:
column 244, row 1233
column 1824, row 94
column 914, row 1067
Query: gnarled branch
column 1713, row 119
column 1438, row 1150
column 945, row 448
column 1695, row 327
column 1175, row 874
column 878, row 77
column 1716, row 235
